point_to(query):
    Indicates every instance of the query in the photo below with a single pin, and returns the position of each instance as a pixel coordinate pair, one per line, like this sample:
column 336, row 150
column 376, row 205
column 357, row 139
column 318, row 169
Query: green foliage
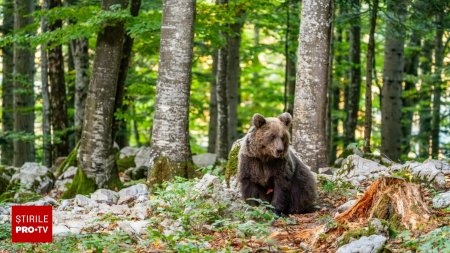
column 434, row 242
column 191, row 212
column 16, row 193
column 116, row 242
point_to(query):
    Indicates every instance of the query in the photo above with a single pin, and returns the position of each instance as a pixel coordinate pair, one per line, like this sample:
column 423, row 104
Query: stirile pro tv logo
column 31, row 224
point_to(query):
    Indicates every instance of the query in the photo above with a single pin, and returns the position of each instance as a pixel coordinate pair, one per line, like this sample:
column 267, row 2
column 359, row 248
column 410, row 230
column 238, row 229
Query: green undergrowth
column 116, row 242
column 189, row 213
column 436, row 241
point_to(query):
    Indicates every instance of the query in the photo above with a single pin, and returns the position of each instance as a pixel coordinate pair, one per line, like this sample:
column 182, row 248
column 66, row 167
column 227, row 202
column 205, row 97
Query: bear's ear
column 258, row 120
column 286, row 118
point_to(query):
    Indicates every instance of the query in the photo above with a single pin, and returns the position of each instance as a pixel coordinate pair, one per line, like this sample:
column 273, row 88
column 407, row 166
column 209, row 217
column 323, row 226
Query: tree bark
column 291, row 45
column 439, row 58
column 309, row 133
column 425, row 100
column 57, row 84
column 354, row 92
column 391, row 104
column 7, row 148
column 46, row 111
column 212, row 128
column 120, row 133
column 222, row 97
column 369, row 70
column 23, row 85
column 79, row 48
column 410, row 94
column 170, row 134
column 96, row 157
column 233, row 78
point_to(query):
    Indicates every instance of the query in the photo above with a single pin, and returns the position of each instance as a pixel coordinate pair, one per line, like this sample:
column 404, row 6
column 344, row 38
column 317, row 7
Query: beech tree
column 309, row 132
column 95, row 156
column 170, row 133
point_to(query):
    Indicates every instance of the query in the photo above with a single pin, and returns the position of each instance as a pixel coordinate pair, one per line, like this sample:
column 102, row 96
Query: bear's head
column 269, row 137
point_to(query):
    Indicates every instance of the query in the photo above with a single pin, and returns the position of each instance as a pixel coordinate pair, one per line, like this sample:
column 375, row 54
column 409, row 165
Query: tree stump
column 392, row 199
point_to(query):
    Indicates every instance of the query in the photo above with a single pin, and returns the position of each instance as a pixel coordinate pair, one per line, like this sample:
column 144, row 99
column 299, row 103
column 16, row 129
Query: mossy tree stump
column 392, row 199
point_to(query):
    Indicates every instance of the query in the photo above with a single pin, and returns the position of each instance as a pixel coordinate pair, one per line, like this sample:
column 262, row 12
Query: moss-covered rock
column 124, row 163
column 71, row 160
column 81, row 185
column 231, row 167
column 165, row 170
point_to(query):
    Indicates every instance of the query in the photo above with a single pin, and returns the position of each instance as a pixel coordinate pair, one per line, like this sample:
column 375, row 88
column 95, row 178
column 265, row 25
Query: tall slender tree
column 354, row 90
column 46, row 111
column 409, row 98
column 290, row 48
column 212, row 128
column 309, row 133
column 222, row 96
column 7, row 85
column 79, row 49
column 369, row 70
column 170, row 134
column 95, row 156
column 233, row 76
column 57, row 84
column 23, row 85
column 425, row 99
column 437, row 89
column 120, row 133
column 391, row 103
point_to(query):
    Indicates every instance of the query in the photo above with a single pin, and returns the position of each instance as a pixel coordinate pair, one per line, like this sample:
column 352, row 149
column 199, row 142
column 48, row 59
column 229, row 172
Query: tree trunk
column 120, row 133
column 309, row 133
column 391, row 104
column 222, row 98
column 439, row 58
column 233, row 76
column 136, row 134
column 170, row 134
column 369, row 70
column 57, row 84
column 7, row 147
column 46, row 113
column 291, row 45
column 23, row 85
column 96, row 157
column 425, row 100
column 79, row 48
column 212, row 128
column 410, row 94
column 333, row 93
column 354, row 93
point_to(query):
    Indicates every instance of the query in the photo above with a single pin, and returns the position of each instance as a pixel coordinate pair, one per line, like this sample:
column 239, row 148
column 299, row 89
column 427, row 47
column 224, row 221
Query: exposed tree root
column 391, row 199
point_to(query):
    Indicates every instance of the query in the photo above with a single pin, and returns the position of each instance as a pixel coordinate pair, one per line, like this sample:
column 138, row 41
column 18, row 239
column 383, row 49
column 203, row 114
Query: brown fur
column 269, row 170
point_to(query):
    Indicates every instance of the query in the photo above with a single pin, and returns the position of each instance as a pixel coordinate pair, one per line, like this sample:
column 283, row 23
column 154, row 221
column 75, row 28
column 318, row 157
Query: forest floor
column 204, row 215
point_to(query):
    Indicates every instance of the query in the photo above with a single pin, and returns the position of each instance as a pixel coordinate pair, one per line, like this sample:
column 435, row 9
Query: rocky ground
column 204, row 214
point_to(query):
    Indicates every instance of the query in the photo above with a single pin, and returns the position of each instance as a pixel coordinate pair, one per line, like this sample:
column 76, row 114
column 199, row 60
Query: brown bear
column 269, row 170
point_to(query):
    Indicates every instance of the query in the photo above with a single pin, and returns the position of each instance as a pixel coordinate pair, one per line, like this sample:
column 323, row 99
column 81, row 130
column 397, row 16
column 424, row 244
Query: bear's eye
column 272, row 137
